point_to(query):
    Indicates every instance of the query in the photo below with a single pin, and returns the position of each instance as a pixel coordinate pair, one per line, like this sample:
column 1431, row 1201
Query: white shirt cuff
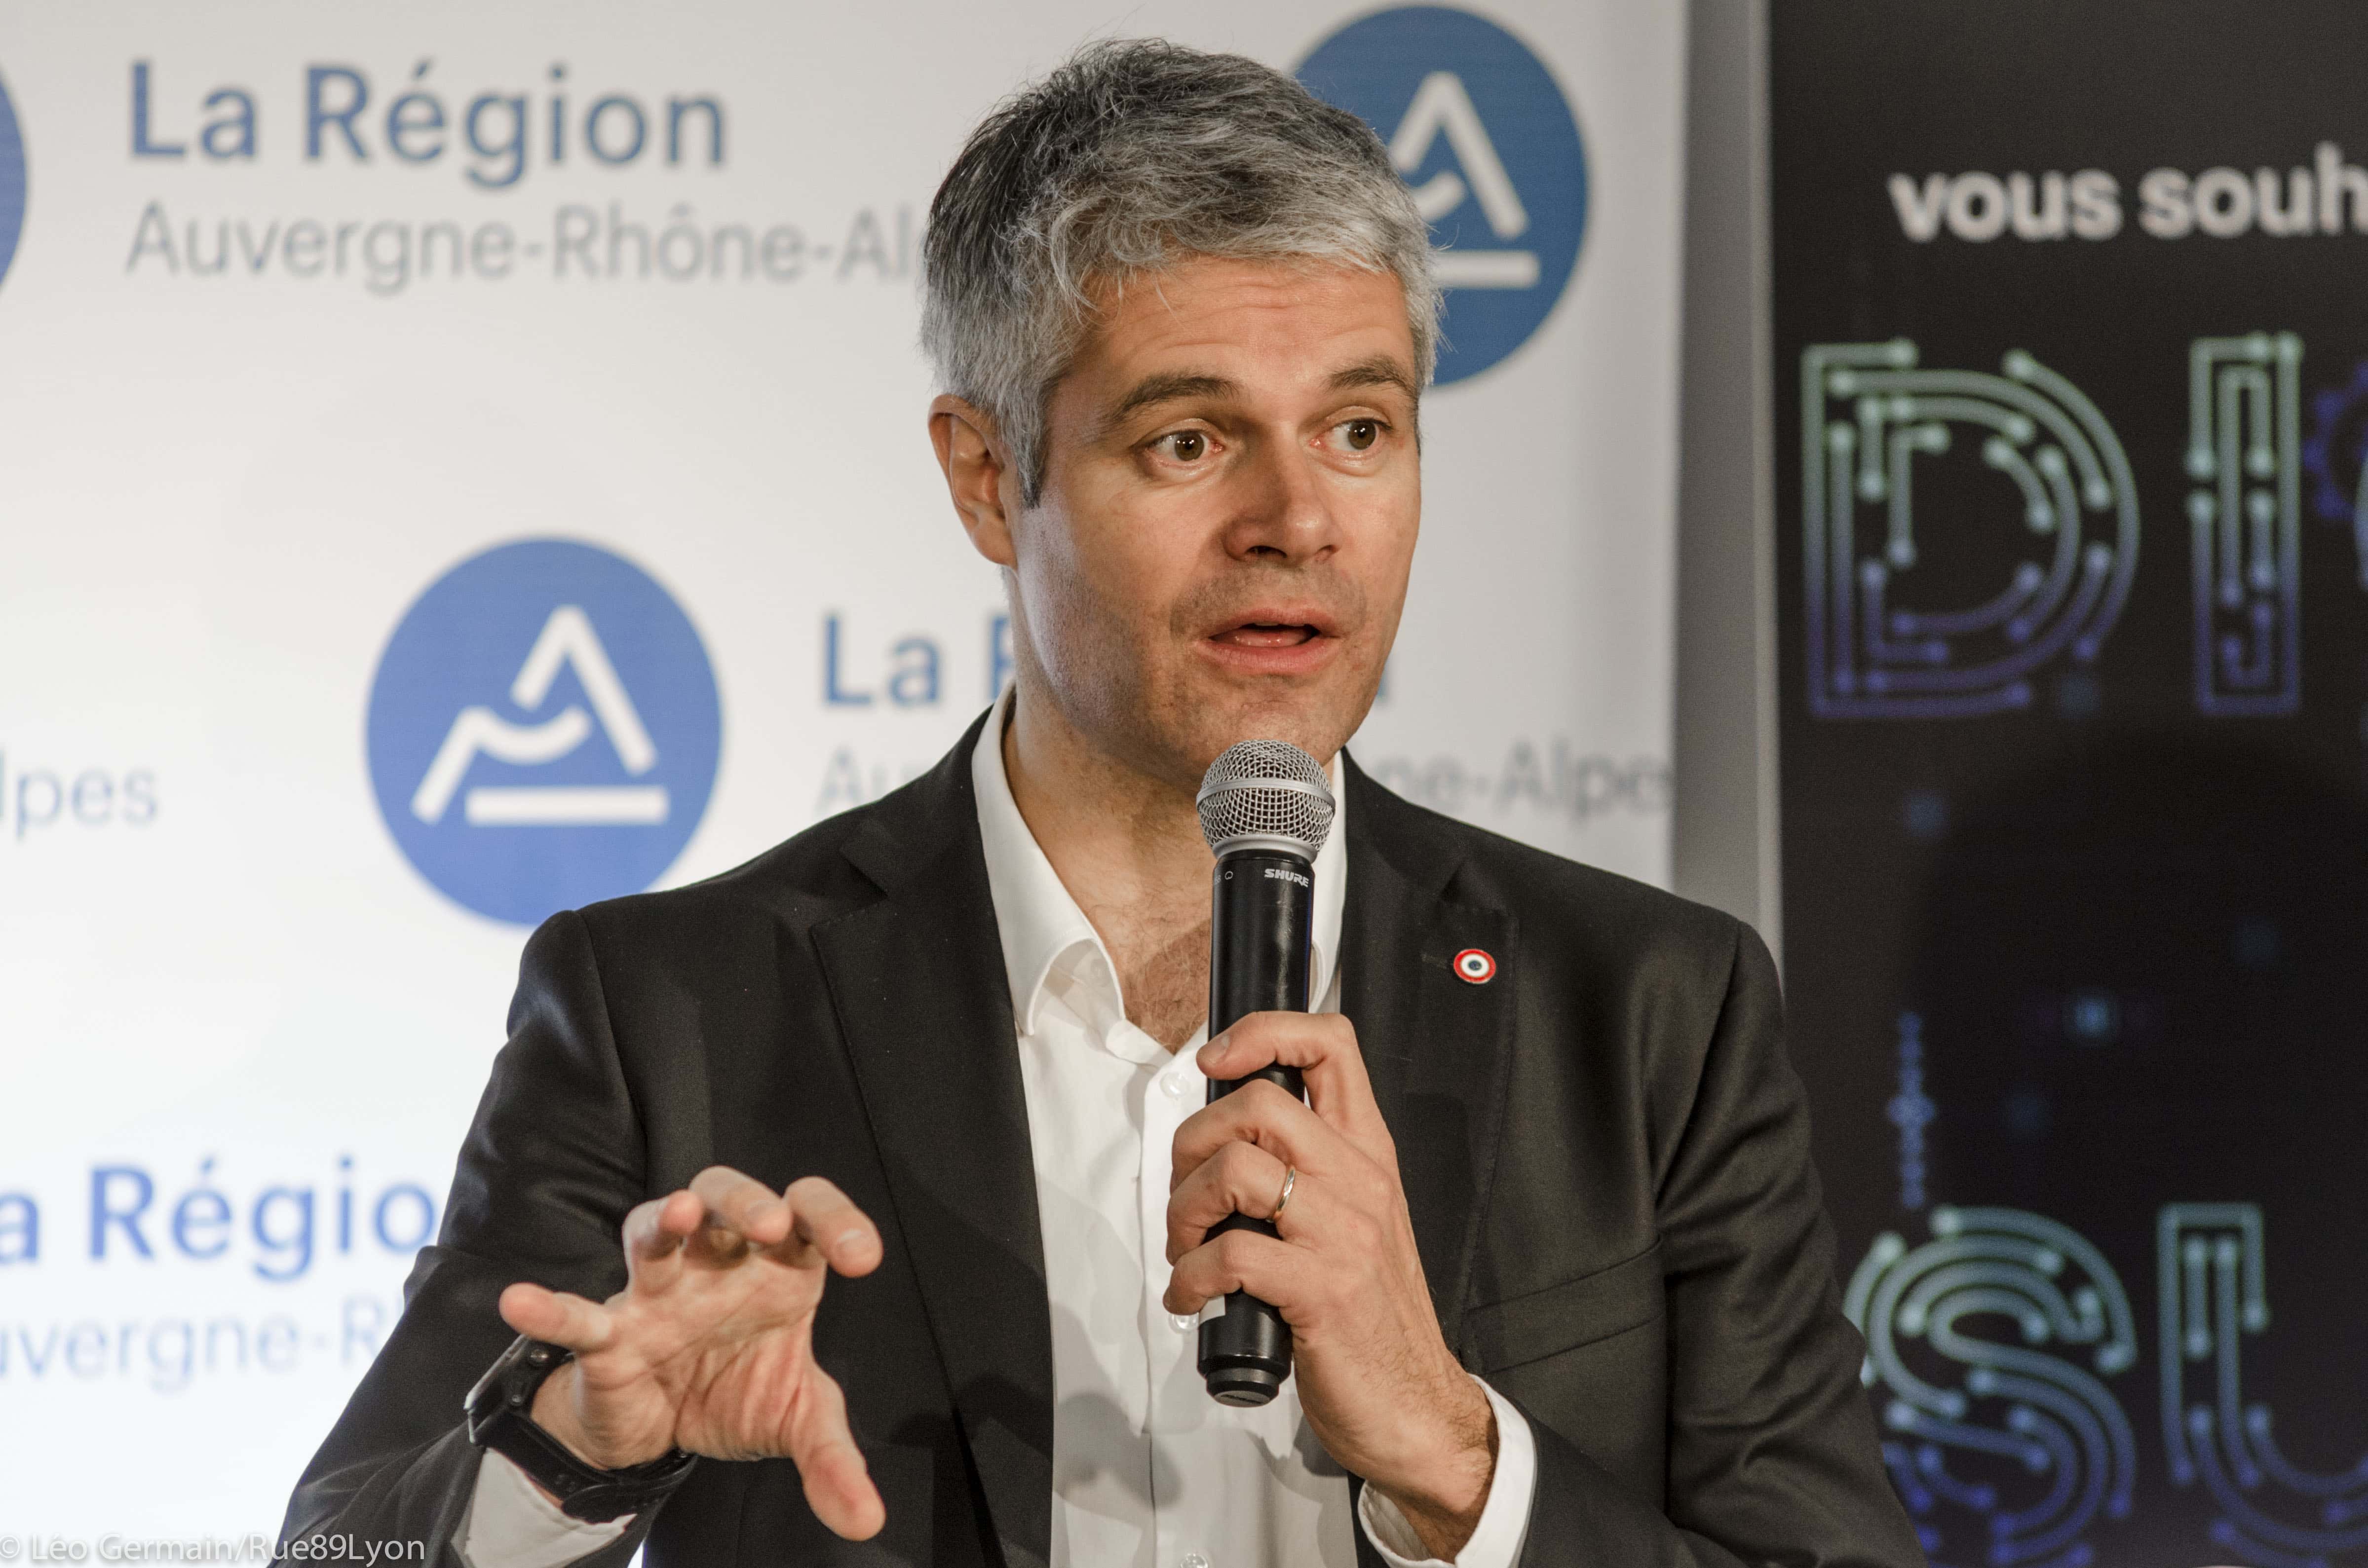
column 512, row 1525
column 1503, row 1518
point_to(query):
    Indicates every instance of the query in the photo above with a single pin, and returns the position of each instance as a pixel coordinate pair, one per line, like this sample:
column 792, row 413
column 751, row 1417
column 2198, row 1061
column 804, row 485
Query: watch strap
column 501, row 1421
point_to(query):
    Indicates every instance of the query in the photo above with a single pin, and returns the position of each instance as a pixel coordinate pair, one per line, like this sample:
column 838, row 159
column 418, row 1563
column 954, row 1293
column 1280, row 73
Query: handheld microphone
column 1264, row 810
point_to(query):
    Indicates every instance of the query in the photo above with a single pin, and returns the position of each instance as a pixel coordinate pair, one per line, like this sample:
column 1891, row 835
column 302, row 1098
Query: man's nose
column 1284, row 510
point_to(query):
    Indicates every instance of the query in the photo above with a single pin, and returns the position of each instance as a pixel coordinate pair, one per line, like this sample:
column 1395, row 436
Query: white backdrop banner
column 459, row 462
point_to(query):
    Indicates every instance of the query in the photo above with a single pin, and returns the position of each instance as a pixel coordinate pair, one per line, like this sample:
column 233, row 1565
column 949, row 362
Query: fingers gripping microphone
column 1264, row 810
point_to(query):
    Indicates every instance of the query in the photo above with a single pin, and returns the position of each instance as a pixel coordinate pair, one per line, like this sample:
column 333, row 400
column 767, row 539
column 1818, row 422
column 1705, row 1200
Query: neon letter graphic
column 1868, row 412
column 2244, row 453
column 2048, row 1445
column 2213, row 1295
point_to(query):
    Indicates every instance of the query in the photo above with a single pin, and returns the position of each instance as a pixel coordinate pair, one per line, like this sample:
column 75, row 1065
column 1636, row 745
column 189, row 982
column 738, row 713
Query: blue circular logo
column 1481, row 132
column 12, row 181
column 543, row 730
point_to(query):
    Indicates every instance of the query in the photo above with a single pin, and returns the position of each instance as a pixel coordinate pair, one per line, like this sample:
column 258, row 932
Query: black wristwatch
column 500, row 1418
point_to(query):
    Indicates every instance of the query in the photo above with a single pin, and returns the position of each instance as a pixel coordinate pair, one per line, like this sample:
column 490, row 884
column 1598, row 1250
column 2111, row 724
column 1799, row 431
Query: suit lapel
column 1438, row 1048
column 918, row 982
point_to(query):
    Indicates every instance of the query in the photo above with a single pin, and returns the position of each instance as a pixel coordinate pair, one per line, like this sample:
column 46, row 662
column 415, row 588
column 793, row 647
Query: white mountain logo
column 1443, row 108
column 567, row 638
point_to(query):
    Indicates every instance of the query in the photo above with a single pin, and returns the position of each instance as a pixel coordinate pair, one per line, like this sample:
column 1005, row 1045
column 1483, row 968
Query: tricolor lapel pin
column 1474, row 966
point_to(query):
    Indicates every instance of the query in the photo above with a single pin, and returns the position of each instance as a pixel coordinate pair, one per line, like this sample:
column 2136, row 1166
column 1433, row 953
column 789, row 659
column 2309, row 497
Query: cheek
column 1404, row 516
column 1383, row 559
column 1134, row 574
column 1098, row 600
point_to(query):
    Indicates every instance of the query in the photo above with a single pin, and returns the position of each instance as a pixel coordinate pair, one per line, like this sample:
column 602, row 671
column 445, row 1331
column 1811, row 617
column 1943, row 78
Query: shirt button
column 1194, row 1560
column 1182, row 1323
column 1175, row 1089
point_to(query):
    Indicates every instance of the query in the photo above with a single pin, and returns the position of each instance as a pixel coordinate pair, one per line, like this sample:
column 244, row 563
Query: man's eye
column 1186, row 446
column 1358, row 435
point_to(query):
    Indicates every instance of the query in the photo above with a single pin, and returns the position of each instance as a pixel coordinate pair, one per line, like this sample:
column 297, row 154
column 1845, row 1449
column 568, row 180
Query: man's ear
column 976, row 464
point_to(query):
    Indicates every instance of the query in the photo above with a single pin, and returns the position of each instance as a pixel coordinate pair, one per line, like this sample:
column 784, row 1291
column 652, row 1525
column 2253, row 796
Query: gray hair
column 1134, row 155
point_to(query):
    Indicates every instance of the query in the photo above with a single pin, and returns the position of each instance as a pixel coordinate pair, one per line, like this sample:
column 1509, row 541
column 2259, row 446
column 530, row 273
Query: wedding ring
column 1290, row 1180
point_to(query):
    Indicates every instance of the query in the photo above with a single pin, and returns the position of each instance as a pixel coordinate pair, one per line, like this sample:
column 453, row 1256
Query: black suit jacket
column 1604, row 1151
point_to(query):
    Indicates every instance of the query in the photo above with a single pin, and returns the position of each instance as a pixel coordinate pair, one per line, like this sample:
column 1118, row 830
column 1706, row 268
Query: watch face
column 515, row 1374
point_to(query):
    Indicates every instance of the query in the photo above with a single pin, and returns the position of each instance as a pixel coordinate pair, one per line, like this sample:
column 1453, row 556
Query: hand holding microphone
column 1264, row 810
column 1330, row 1279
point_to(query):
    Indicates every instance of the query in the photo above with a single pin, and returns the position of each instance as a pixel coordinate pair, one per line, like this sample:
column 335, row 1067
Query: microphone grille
column 1266, row 789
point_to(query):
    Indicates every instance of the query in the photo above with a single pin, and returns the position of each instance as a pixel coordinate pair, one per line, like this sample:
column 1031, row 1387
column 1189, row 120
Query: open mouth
column 1263, row 634
column 1279, row 637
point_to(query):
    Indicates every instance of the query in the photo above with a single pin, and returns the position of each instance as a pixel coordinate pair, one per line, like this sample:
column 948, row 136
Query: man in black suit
column 1551, row 1246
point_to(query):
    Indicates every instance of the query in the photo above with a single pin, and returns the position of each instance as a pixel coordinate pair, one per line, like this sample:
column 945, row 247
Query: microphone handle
column 1261, row 917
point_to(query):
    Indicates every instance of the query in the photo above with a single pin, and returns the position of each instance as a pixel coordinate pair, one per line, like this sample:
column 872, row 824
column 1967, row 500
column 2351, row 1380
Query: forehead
column 1262, row 324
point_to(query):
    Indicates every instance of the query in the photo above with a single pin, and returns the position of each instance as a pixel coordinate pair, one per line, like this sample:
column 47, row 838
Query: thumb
column 837, row 1483
column 557, row 1317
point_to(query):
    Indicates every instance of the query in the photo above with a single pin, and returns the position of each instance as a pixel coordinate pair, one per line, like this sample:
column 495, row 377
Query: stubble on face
column 1169, row 609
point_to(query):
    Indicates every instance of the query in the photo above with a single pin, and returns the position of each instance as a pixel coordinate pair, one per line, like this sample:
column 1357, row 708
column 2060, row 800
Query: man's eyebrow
column 1380, row 371
column 1168, row 389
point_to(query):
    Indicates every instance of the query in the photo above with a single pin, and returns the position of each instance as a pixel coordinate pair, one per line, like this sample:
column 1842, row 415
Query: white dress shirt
column 1148, row 1472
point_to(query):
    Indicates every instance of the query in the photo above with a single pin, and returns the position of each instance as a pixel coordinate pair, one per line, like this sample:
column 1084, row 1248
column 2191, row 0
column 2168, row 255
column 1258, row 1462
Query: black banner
column 2071, row 359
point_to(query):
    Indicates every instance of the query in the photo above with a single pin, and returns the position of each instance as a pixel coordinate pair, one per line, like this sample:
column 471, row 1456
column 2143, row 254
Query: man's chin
column 1316, row 717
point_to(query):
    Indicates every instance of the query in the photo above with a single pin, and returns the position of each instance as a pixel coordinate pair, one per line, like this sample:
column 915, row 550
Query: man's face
column 1229, row 509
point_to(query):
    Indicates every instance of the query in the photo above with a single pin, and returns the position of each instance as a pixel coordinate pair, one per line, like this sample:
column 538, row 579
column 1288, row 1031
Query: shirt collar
column 1041, row 923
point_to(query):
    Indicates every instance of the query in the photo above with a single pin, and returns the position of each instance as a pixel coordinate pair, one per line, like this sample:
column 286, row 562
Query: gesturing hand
column 1377, row 1381
column 710, row 1346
